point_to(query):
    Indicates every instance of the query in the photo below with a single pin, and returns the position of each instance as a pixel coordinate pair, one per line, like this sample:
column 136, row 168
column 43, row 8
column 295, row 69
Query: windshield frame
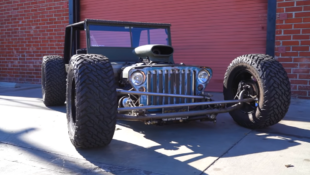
column 120, row 54
column 130, row 33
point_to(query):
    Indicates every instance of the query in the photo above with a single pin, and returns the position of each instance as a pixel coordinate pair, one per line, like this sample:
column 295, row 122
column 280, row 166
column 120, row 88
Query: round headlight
column 203, row 76
column 137, row 78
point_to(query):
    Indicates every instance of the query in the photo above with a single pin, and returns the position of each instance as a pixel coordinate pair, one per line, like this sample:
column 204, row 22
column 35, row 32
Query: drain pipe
column 74, row 16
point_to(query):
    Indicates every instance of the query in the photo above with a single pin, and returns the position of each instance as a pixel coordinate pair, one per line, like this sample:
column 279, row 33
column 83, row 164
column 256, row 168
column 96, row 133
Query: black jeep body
column 125, row 70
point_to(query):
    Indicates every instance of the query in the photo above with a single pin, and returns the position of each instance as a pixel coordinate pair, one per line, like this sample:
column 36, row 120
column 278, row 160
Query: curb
column 7, row 84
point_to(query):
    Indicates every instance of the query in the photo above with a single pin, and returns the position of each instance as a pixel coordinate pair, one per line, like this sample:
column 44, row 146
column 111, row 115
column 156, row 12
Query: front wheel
column 263, row 78
column 91, row 101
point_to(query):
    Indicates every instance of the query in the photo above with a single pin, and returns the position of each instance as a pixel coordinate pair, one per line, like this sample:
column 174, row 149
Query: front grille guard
column 153, row 116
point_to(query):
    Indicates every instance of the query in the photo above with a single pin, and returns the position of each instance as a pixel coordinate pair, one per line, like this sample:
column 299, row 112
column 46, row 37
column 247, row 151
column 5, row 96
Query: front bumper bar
column 154, row 116
column 176, row 114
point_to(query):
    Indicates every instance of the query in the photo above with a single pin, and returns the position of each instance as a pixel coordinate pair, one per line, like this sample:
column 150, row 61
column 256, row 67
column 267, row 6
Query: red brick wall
column 30, row 29
column 293, row 42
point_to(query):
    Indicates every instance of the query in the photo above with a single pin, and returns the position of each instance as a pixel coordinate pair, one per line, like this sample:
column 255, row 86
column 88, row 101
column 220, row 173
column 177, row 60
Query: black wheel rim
column 245, row 78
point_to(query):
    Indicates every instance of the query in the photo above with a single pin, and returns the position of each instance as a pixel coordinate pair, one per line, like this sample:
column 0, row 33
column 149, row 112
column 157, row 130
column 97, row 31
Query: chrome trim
column 143, row 74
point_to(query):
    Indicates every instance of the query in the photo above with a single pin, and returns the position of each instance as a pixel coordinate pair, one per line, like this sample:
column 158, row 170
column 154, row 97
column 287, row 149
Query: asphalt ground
column 34, row 140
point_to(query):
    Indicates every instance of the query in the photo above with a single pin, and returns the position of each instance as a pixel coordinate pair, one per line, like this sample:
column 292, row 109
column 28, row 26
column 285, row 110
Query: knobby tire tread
column 54, row 82
column 276, row 89
column 96, row 101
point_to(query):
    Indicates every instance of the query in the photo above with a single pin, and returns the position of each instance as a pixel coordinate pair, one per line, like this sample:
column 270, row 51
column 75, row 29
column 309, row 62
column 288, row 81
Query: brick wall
column 293, row 42
column 30, row 29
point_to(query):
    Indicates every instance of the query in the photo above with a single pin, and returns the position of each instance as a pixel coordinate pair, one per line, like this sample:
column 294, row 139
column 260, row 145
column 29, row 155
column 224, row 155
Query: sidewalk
column 34, row 140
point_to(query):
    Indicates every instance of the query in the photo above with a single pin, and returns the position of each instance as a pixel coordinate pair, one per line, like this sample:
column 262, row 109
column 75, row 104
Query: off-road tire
column 91, row 101
column 274, row 90
column 53, row 80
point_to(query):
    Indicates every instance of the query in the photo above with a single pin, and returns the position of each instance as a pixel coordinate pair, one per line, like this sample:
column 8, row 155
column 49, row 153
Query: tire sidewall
column 43, row 80
column 70, row 123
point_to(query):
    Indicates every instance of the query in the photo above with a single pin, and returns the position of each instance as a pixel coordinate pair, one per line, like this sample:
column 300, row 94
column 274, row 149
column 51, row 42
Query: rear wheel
column 53, row 80
column 91, row 101
column 263, row 78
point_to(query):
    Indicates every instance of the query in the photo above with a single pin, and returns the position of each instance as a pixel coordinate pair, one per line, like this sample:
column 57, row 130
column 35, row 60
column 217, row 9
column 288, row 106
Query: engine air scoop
column 154, row 52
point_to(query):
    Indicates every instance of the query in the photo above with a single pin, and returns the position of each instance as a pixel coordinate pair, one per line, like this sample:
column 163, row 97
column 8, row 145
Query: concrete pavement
column 34, row 140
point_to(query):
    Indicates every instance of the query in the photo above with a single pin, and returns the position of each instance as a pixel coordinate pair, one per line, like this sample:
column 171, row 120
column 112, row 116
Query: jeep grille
column 171, row 81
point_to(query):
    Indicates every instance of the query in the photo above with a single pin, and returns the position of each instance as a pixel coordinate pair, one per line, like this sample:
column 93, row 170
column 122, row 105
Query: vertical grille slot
column 183, row 85
column 172, row 85
column 188, row 84
column 177, row 85
column 154, row 86
column 166, row 85
column 171, row 81
column 160, row 86
column 149, row 87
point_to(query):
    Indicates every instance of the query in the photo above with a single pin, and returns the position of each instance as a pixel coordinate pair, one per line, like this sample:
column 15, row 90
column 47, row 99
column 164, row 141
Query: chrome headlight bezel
column 137, row 73
column 203, row 80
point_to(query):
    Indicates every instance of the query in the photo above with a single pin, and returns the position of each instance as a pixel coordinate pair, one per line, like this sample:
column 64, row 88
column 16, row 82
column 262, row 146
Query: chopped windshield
column 142, row 36
column 109, row 36
column 125, row 36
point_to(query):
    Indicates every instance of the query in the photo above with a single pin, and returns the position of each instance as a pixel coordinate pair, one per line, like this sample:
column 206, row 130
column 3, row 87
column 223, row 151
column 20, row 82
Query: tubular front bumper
column 201, row 113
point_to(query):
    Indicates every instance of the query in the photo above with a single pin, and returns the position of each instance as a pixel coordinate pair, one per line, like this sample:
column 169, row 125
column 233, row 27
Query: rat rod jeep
column 137, row 80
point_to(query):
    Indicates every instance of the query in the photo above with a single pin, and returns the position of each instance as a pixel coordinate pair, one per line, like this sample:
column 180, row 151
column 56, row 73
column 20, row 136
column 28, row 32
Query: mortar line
column 225, row 152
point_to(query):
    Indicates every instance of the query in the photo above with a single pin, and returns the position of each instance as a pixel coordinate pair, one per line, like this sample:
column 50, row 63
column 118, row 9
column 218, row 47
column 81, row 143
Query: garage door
column 209, row 33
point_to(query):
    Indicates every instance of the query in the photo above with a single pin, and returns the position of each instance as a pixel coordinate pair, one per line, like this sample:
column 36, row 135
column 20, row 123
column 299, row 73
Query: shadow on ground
column 36, row 153
column 171, row 149
column 204, row 147
column 158, row 159
column 36, row 160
